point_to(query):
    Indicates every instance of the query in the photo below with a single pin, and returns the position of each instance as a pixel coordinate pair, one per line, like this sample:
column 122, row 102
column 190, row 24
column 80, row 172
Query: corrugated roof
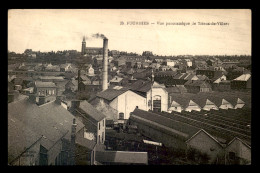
column 177, row 126
column 91, row 111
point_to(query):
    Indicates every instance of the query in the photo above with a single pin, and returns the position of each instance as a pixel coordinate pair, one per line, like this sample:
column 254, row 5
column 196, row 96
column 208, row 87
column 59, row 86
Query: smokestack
column 105, row 64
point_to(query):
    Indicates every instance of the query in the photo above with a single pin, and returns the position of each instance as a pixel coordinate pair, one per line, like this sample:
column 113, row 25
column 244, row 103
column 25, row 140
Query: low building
column 206, row 143
column 238, row 152
column 155, row 94
column 241, row 82
column 121, row 99
column 41, row 135
column 93, row 120
column 197, row 86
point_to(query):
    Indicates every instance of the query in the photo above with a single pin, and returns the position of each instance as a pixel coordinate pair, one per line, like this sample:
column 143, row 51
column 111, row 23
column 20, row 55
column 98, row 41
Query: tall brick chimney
column 105, row 64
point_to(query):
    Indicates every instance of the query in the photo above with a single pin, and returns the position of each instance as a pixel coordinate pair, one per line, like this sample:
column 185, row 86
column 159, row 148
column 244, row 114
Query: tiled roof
column 91, row 111
column 89, row 144
column 27, row 122
column 141, row 86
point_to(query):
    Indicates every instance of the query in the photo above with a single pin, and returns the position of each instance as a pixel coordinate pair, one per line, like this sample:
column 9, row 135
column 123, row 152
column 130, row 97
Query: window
column 103, row 123
column 98, row 126
column 232, row 155
column 121, row 115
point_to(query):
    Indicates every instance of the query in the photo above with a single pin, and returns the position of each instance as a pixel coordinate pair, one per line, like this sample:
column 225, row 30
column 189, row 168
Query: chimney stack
column 105, row 64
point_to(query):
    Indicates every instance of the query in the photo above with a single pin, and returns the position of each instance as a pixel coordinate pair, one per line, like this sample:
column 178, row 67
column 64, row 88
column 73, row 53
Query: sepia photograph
column 129, row 87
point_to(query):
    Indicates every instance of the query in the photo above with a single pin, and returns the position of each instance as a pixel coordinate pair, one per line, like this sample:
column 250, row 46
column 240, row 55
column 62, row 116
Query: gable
column 175, row 104
column 192, row 103
column 203, row 139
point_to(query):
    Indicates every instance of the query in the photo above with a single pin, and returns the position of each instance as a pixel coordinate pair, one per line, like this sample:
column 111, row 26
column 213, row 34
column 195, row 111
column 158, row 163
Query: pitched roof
column 27, row 122
column 51, row 78
column 172, row 126
column 91, row 111
column 116, row 79
column 141, row 86
column 111, row 94
column 202, row 130
column 245, row 143
column 45, row 84
column 17, row 81
column 243, row 77
column 197, row 83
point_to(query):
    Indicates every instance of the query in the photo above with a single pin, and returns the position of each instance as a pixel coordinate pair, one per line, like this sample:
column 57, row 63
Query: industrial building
column 208, row 133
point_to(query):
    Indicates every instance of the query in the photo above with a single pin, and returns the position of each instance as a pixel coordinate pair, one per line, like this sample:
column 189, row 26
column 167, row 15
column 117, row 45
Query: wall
column 205, row 144
column 208, row 107
column 164, row 98
column 241, row 150
column 127, row 103
column 101, row 131
column 159, row 136
column 53, row 91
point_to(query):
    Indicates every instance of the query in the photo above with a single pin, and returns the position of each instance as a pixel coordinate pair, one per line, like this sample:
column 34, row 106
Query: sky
column 63, row 29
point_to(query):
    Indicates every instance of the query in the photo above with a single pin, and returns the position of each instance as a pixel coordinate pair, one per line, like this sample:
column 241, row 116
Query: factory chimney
column 105, row 64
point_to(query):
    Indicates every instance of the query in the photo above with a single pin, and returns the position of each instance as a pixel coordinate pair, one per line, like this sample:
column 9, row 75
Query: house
column 44, row 91
column 206, row 143
column 72, row 85
column 195, row 86
column 241, row 82
column 121, row 99
column 155, row 94
column 210, row 73
column 90, row 70
column 223, row 86
column 182, row 78
column 45, row 88
column 65, row 67
column 41, row 135
column 93, row 120
column 238, row 152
